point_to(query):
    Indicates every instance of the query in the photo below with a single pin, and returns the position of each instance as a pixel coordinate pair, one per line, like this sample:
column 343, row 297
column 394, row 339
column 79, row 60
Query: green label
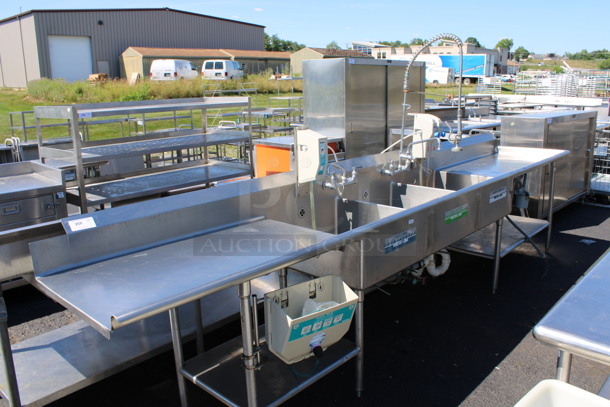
column 321, row 322
column 455, row 214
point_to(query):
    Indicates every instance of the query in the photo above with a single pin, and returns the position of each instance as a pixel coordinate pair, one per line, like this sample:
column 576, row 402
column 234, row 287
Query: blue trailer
column 475, row 66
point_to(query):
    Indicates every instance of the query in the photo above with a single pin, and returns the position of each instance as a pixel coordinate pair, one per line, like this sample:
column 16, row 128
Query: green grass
column 55, row 92
column 19, row 100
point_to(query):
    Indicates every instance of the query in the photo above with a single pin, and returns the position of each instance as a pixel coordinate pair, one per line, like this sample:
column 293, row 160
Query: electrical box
column 311, row 153
column 306, row 318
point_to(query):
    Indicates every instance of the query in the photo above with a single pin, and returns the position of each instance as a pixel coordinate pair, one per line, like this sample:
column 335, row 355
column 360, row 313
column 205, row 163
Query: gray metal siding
column 143, row 28
column 18, row 51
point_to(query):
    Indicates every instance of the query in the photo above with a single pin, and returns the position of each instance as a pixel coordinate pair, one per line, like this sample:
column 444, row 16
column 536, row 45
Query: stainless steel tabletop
column 508, row 162
column 167, row 144
column 151, row 184
column 580, row 321
column 122, row 290
column 25, row 179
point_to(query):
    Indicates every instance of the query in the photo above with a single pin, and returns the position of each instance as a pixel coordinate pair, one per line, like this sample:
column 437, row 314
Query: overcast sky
column 540, row 26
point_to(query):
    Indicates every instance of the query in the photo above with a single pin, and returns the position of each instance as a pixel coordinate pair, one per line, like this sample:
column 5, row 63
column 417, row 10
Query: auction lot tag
column 81, row 224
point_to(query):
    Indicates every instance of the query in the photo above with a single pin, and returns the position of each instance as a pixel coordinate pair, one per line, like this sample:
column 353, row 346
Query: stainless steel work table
column 495, row 242
column 125, row 289
column 79, row 114
column 119, row 291
column 28, row 179
column 578, row 323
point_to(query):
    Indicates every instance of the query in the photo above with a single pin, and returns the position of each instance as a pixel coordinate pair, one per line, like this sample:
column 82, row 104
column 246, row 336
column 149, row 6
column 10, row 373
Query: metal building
column 72, row 44
column 138, row 59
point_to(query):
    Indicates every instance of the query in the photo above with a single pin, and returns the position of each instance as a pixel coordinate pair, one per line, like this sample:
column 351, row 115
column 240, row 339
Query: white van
column 172, row 70
column 221, row 69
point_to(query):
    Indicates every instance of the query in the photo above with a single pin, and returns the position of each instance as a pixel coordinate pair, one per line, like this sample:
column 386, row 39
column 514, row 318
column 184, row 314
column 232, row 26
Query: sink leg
column 247, row 340
column 283, row 275
column 497, row 254
column 564, row 363
column 198, row 325
column 550, row 217
column 174, row 324
column 360, row 344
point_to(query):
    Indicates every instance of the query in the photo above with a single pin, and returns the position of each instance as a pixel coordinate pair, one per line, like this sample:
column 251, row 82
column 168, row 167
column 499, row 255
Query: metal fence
column 563, row 85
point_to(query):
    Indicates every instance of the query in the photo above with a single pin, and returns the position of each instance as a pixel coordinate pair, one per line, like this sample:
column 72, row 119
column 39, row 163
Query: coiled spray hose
column 405, row 85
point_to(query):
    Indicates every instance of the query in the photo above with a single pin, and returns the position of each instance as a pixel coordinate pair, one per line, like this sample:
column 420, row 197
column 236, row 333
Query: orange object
column 271, row 160
column 334, row 146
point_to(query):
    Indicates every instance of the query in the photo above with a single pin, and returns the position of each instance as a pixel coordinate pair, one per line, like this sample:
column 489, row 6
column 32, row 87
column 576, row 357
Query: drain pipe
column 405, row 86
column 435, row 270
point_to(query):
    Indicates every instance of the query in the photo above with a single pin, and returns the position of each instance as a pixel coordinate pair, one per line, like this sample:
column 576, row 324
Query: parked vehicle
column 221, row 69
column 439, row 75
column 475, row 66
column 172, row 70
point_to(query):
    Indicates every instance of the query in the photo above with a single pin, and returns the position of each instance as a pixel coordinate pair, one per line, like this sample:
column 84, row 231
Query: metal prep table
column 30, row 193
column 81, row 113
column 124, row 290
column 158, row 257
column 578, row 323
column 495, row 241
column 150, row 184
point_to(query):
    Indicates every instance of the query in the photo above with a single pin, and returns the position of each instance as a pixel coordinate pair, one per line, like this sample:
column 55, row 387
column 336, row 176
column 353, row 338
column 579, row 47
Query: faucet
column 405, row 86
column 394, row 167
column 410, row 146
column 338, row 181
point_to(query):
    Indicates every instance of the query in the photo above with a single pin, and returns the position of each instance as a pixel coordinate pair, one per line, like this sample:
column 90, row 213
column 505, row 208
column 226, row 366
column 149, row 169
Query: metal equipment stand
column 507, row 237
column 269, row 382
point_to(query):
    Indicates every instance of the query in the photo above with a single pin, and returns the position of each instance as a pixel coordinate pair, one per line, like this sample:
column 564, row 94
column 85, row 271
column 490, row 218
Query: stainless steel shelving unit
column 133, row 184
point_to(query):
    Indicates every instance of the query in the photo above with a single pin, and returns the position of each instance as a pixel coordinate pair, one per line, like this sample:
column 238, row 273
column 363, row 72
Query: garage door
column 70, row 57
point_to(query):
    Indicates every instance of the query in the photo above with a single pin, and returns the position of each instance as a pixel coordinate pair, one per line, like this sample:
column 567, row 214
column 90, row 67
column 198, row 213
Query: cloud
column 258, row 9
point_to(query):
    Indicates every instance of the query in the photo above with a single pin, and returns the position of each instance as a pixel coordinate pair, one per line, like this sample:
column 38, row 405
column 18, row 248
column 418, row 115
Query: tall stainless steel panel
column 415, row 97
column 563, row 129
column 365, row 109
column 359, row 100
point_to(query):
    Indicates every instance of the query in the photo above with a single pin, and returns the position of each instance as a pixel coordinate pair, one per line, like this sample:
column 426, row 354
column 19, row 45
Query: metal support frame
column 564, row 363
column 198, row 325
column 526, row 236
column 174, row 323
column 283, row 276
column 497, row 254
column 360, row 343
column 244, row 290
column 551, row 198
column 360, row 327
column 7, row 357
column 500, row 223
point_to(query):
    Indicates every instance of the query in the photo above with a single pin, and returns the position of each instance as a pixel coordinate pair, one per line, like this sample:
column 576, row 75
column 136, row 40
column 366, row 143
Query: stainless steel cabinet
column 359, row 100
column 566, row 130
